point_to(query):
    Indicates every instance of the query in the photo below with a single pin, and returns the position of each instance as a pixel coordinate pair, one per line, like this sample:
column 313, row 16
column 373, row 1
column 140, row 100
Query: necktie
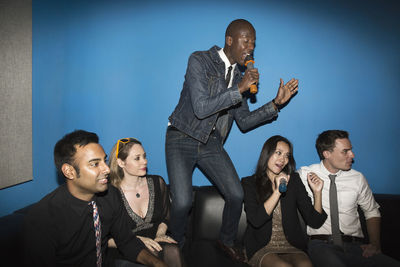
column 228, row 76
column 97, row 230
column 336, row 235
column 222, row 116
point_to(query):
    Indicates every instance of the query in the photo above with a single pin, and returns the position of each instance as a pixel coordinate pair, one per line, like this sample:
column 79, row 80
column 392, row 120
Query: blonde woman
column 146, row 200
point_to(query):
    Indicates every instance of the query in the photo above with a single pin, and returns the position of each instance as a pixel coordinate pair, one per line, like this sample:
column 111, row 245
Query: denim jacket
column 205, row 97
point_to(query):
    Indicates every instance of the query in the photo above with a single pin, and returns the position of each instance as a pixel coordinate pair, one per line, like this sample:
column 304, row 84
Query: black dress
column 157, row 212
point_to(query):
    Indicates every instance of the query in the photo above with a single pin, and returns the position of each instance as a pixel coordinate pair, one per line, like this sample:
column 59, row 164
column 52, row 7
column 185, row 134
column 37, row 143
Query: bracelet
column 276, row 105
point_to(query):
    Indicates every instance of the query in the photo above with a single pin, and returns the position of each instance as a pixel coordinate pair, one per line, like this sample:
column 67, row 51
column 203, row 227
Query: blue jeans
column 325, row 254
column 183, row 154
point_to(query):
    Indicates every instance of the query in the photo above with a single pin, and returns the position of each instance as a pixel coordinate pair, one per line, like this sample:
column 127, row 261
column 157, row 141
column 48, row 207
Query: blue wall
column 117, row 68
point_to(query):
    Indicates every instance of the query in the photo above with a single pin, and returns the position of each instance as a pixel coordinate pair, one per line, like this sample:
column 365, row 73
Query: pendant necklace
column 137, row 195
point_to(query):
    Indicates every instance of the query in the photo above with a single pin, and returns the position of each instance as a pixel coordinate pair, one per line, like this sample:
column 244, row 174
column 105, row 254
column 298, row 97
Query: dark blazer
column 259, row 226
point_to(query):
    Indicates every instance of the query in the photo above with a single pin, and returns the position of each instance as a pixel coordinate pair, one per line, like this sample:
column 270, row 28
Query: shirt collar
column 77, row 205
column 326, row 172
column 225, row 59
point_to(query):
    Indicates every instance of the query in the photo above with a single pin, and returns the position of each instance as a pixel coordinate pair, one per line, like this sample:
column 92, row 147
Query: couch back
column 207, row 215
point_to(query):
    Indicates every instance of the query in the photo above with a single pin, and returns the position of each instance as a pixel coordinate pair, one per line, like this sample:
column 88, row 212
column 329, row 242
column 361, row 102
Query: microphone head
column 249, row 61
column 249, row 57
column 282, row 185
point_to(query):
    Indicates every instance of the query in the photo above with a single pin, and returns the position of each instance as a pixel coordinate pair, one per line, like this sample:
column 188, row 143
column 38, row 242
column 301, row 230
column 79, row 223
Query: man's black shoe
column 233, row 252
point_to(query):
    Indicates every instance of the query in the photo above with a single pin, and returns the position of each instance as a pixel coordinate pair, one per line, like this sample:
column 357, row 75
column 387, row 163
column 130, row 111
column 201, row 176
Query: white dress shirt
column 352, row 190
column 227, row 64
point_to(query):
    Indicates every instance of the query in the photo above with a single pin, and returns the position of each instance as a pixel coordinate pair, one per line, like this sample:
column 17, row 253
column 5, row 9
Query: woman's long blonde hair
column 124, row 146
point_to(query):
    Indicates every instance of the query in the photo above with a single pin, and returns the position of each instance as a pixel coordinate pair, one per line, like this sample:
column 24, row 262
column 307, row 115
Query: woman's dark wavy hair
column 263, row 183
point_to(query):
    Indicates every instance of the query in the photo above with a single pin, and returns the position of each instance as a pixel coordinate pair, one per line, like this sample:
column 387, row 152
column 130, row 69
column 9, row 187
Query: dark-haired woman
column 274, row 236
column 146, row 200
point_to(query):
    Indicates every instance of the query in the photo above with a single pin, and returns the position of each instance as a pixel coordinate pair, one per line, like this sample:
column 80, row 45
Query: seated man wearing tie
column 71, row 225
column 338, row 242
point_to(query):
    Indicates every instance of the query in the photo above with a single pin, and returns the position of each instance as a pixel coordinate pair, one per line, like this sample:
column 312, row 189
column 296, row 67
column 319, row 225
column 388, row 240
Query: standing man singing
column 211, row 98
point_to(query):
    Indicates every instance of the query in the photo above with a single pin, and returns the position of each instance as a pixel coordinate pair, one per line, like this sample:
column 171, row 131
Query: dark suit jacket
column 259, row 223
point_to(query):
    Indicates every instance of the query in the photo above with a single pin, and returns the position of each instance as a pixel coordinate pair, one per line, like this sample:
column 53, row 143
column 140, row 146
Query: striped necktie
column 97, row 230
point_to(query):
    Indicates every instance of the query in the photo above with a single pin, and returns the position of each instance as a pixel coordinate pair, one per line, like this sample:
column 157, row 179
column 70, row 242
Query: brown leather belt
column 345, row 238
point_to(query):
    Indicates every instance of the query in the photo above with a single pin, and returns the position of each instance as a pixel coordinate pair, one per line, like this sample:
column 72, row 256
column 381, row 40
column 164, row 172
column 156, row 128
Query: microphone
column 249, row 63
column 282, row 185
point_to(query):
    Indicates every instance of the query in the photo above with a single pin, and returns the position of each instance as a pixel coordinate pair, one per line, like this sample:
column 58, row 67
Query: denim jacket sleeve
column 208, row 93
column 247, row 119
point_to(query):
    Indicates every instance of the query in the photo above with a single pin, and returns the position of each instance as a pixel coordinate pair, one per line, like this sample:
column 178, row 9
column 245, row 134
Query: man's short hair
column 65, row 149
column 237, row 24
column 326, row 141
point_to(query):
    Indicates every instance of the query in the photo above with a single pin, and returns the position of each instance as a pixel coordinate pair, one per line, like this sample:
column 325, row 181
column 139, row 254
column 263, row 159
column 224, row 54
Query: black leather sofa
column 203, row 229
column 206, row 217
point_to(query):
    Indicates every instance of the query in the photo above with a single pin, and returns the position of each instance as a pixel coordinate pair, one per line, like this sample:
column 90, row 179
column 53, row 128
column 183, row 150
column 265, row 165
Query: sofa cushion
column 207, row 215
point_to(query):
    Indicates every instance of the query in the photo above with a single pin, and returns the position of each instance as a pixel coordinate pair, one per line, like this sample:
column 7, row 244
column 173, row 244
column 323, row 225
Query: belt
column 345, row 238
column 173, row 128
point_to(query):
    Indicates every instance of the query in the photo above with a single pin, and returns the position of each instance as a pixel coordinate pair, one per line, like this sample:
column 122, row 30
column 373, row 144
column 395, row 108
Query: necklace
column 137, row 188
